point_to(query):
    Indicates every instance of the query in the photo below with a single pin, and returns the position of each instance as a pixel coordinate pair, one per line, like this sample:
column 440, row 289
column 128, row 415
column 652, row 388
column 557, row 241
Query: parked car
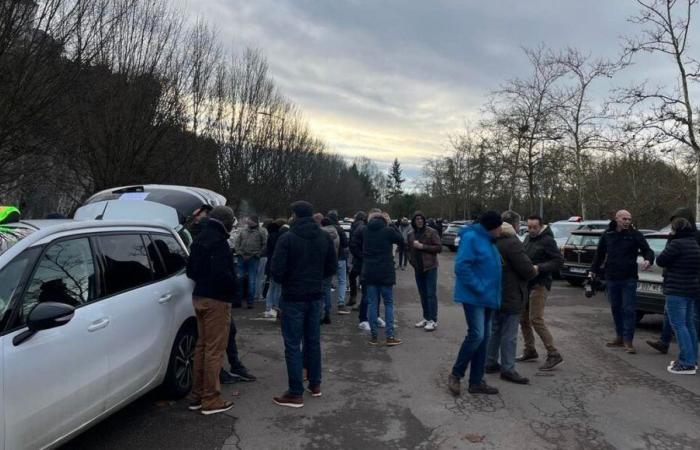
column 93, row 314
column 578, row 253
column 450, row 234
column 650, row 297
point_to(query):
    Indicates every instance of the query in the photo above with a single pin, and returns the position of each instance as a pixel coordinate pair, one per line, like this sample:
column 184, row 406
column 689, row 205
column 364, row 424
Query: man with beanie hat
column 212, row 269
column 478, row 289
column 303, row 258
column 424, row 245
column 250, row 245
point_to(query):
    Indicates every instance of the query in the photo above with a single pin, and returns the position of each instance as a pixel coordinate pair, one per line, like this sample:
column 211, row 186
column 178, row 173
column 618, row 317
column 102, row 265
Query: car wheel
column 575, row 281
column 639, row 316
column 178, row 379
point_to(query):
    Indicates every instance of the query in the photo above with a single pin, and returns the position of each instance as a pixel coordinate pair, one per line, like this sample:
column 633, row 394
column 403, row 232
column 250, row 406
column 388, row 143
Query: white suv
column 93, row 314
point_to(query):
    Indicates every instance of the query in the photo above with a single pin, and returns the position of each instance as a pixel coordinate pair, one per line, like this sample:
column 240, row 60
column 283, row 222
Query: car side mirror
column 43, row 316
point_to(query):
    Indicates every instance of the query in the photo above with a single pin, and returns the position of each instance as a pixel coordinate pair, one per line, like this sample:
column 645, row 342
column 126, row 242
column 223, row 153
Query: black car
column 579, row 252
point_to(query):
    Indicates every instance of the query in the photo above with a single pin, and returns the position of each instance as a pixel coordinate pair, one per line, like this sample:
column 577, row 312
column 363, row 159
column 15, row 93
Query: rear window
column 9, row 236
column 580, row 240
column 657, row 244
column 563, row 230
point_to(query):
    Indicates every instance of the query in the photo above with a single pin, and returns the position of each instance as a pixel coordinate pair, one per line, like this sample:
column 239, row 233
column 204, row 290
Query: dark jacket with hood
column 618, row 250
column 681, row 263
column 377, row 252
column 303, row 257
column 274, row 231
column 544, row 253
column 211, row 263
column 426, row 259
column 344, row 243
column 517, row 270
column 356, row 238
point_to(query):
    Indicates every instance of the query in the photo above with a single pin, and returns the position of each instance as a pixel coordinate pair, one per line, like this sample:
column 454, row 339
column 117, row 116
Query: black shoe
column 514, row 377
column 482, row 388
column 326, row 320
column 494, row 368
column 658, row 346
column 527, row 356
column 226, row 377
column 243, row 375
column 351, row 302
column 553, row 359
column 250, row 306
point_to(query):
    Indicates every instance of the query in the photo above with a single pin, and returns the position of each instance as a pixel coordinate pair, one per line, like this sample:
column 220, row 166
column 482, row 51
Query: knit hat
column 302, row 208
column 223, row 214
column 333, row 215
column 490, row 220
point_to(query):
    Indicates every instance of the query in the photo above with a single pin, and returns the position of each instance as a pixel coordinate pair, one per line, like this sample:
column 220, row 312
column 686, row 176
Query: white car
column 93, row 314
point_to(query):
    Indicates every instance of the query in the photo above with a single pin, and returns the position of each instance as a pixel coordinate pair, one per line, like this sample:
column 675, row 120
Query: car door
column 140, row 311
column 54, row 382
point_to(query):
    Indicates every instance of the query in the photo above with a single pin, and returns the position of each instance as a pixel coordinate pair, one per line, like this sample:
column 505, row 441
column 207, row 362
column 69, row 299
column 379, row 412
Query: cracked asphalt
column 396, row 398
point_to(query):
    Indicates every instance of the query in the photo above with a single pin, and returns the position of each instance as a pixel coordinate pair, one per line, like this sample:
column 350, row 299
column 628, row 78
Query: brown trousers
column 533, row 317
column 213, row 318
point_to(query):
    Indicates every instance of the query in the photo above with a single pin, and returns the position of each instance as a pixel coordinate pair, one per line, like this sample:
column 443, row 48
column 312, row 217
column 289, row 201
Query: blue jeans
column 273, row 295
column 666, row 330
column 427, row 288
column 473, row 349
column 342, row 275
column 386, row 293
column 681, row 314
column 301, row 323
column 327, row 285
column 248, row 269
column 504, row 337
column 622, row 295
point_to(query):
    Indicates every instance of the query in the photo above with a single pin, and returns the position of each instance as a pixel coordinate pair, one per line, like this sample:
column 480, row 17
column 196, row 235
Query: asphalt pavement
column 396, row 398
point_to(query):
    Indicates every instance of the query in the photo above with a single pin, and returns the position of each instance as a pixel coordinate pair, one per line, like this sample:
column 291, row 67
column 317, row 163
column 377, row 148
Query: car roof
column 38, row 224
column 597, row 232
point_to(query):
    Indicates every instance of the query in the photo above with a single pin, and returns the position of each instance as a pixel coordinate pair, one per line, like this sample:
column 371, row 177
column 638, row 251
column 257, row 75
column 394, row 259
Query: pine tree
column 396, row 180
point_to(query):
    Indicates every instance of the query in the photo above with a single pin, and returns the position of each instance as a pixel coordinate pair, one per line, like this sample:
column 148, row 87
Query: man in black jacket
column 212, row 268
column 342, row 271
column 378, row 272
column 542, row 250
column 356, row 252
column 618, row 249
column 303, row 258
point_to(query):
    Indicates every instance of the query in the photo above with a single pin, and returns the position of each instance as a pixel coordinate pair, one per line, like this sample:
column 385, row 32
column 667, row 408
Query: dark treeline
column 97, row 94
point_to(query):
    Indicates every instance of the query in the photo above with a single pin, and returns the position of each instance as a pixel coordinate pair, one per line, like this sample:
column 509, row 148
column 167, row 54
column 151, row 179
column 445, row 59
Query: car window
column 563, row 230
column 9, row 236
column 65, row 273
column 657, row 244
column 126, row 262
column 10, row 278
column 173, row 256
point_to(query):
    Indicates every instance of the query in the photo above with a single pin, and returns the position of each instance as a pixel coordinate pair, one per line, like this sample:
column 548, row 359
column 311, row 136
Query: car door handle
column 98, row 324
column 165, row 299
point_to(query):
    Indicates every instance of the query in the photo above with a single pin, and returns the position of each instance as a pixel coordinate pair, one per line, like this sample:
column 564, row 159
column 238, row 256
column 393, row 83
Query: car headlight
column 457, row 239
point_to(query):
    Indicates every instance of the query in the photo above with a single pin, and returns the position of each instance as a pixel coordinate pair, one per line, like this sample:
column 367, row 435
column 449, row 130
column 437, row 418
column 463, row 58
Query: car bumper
column 652, row 303
column 574, row 271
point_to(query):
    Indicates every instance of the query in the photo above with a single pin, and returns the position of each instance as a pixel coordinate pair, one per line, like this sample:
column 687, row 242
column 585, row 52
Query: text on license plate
column 577, row 270
column 655, row 288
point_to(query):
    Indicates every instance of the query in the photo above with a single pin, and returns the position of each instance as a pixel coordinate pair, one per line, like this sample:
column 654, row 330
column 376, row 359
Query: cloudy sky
column 396, row 78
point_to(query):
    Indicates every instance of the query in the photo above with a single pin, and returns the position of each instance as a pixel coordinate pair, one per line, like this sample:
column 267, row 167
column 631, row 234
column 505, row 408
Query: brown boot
column 454, row 385
column 617, row 342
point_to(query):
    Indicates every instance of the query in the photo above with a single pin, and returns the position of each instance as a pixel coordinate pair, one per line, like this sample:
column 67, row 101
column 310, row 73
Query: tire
column 575, row 281
column 639, row 316
column 178, row 379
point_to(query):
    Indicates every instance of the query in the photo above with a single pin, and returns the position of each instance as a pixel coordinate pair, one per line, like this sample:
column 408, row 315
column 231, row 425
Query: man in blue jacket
column 478, row 288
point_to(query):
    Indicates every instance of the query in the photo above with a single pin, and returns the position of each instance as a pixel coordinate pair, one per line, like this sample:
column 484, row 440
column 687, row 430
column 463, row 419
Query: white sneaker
column 381, row 323
column 271, row 314
column 421, row 324
column 364, row 326
column 430, row 326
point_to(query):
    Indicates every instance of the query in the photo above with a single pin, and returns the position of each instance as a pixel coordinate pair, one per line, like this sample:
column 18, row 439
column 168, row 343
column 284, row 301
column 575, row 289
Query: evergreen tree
column 395, row 180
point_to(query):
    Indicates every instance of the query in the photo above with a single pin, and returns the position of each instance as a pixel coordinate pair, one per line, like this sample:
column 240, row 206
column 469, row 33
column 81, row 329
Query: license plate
column 577, row 270
column 653, row 288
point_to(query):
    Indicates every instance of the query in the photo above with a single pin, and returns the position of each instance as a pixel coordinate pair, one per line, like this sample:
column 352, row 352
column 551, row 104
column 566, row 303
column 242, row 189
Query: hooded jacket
column 619, row 251
column 274, row 231
column 356, row 239
column 517, row 270
column 544, row 253
column 333, row 233
column 211, row 265
column 304, row 256
column 426, row 259
column 377, row 252
column 343, row 243
column 681, row 263
column 477, row 269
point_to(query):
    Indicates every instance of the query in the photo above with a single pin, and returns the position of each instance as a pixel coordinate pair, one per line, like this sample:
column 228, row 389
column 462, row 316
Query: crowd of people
column 501, row 283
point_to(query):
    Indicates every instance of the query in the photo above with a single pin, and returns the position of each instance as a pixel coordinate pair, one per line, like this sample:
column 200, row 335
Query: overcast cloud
column 389, row 79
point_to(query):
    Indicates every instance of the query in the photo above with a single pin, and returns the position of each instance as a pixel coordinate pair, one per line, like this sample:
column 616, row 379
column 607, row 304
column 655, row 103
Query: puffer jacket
column 619, row 251
column 477, row 269
column 517, row 270
column 681, row 263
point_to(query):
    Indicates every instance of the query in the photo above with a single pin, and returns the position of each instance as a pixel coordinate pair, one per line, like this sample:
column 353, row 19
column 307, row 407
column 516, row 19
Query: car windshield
column 657, row 243
column 9, row 236
column 563, row 230
column 583, row 240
